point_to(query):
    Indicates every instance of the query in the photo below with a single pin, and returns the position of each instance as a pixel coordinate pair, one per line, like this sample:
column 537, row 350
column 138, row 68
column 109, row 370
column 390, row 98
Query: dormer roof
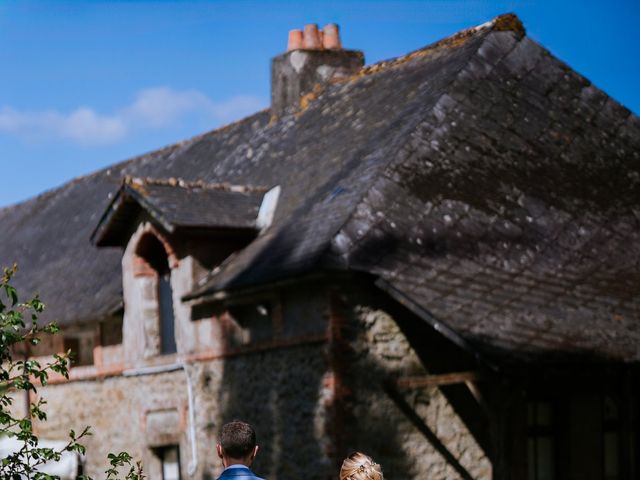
column 179, row 206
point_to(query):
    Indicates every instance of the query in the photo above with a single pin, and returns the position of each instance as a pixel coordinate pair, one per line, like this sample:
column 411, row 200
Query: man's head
column 237, row 444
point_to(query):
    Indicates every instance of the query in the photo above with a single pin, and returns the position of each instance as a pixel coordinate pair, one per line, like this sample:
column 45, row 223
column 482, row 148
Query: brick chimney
column 313, row 57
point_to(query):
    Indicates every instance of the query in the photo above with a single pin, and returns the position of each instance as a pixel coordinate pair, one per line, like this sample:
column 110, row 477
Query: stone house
column 433, row 259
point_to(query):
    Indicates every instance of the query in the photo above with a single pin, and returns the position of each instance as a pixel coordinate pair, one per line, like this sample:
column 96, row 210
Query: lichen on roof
column 506, row 22
column 139, row 183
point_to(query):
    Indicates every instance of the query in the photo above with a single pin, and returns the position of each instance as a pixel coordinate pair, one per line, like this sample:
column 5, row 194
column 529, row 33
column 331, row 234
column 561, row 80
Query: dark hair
column 237, row 439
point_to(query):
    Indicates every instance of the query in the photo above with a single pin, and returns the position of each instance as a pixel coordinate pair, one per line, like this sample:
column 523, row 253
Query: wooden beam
column 424, row 429
column 437, row 380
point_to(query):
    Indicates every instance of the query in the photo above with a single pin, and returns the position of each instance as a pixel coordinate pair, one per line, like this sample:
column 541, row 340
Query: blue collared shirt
column 238, row 472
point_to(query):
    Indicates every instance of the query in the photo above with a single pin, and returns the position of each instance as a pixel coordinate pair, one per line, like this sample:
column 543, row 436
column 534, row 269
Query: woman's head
column 359, row 466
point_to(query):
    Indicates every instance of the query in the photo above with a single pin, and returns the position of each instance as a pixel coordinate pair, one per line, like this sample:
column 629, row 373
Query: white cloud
column 229, row 109
column 161, row 106
column 83, row 126
column 152, row 108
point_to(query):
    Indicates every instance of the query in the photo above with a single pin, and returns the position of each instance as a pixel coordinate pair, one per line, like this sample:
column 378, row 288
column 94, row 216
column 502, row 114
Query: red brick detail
column 143, row 421
column 172, row 257
column 85, row 373
column 97, row 356
column 184, row 416
column 141, row 268
column 256, row 348
column 93, row 372
column 335, row 379
column 329, row 385
column 171, row 254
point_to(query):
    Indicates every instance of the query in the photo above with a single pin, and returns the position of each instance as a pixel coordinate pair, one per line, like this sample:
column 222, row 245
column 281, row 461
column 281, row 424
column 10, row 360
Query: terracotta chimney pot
column 295, row 40
column 297, row 75
column 331, row 37
column 311, row 40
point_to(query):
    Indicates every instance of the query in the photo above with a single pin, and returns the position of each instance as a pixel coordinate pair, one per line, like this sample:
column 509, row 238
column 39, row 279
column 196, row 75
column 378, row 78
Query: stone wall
column 116, row 408
column 277, row 382
column 376, row 350
column 312, row 387
column 279, row 391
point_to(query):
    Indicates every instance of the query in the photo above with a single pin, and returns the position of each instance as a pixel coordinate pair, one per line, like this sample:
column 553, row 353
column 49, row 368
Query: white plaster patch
column 297, row 60
column 160, row 424
column 325, row 72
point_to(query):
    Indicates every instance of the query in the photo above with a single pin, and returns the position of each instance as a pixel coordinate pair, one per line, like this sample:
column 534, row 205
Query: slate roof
column 49, row 236
column 480, row 179
column 512, row 214
column 179, row 206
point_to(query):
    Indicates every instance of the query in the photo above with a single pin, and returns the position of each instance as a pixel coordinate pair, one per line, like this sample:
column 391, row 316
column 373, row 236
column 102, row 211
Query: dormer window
column 151, row 253
column 173, row 234
column 167, row 321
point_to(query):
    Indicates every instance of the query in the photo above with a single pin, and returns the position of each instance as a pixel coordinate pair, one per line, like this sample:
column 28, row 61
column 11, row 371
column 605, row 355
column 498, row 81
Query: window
column 81, row 342
column 252, row 323
column 111, row 330
column 610, row 428
column 165, row 310
column 169, row 462
column 583, row 435
column 154, row 257
column 540, row 441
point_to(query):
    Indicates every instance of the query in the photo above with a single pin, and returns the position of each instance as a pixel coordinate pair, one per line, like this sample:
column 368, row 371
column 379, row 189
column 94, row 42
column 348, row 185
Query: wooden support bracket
column 424, row 429
column 437, row 380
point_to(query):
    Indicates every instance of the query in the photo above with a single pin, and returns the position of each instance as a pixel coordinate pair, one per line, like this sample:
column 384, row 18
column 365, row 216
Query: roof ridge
column 504, row 22
column 178, row 182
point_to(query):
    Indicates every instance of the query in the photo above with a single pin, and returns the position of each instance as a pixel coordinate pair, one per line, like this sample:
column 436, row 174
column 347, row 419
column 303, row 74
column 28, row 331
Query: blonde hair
column 359, row 466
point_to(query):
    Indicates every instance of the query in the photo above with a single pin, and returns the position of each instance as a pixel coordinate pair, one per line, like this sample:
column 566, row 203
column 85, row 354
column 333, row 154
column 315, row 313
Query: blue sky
column 86, row 84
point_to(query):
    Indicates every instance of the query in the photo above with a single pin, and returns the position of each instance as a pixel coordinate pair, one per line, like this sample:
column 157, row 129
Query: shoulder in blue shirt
column 238, row 472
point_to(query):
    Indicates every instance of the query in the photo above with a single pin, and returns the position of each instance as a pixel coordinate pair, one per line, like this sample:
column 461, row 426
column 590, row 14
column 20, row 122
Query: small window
column 169, row 462
column 253, row 322
column 541, row 445
column 611, row 425
column 111, row 330
column 81, row 343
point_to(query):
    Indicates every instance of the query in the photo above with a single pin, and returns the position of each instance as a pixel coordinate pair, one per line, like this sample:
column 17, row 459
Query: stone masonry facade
column 311, row 403
column 303, row 362
column 376, row 350
column 141, row 413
